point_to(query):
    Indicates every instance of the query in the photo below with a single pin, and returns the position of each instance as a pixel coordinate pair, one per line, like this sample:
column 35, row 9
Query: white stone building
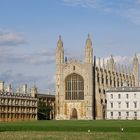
column 123, row 103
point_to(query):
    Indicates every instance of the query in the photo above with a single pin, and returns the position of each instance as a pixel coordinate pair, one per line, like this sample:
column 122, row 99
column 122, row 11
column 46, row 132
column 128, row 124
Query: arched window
column 74, row 87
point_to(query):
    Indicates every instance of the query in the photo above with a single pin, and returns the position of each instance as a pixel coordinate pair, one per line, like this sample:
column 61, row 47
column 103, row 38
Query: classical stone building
column 80, row 86
column 123, row 103
column 19, row 105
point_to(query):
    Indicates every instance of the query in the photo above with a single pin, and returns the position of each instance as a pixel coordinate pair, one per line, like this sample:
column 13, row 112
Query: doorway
column 74, row 114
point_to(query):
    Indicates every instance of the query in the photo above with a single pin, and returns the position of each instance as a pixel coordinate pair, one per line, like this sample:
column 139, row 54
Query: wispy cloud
column 17, row 79
column 41, row 57
column 128, row 9
column 138, row 1
column 133, row 15
column 10, row 38
column 100, row 4
column 82, row 3
column 51, row 82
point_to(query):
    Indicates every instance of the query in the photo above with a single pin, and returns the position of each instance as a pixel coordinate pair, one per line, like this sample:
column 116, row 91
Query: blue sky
column 29, row 31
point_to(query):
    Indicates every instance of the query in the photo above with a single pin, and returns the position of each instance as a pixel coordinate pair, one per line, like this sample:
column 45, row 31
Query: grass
column 32, row 135
column 73, row 126
column 70, row 130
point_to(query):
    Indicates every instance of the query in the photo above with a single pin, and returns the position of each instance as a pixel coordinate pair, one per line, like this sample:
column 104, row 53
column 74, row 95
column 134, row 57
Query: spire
column 115, row 67
column 59, row 43
column 107, row 64
column 88, row 41
column 112, row 63
column 135, row 59
column 99, row 63
column 112, row 59
column 103, row 63
column 136, row 69
column 59, row 51
column 88, row 51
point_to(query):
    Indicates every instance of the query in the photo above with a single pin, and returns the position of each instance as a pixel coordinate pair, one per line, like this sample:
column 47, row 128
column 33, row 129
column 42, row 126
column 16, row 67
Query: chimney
column 9, row 88
column 24, row 88
column 1, row 86
column 33, row 91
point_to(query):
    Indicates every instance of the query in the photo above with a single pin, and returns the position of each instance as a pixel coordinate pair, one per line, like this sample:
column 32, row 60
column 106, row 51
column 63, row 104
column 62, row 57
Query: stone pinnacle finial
column 103, row 63
column 135, row 56
column 88, row 36
column 112, row 62
column 125, row 68
column 115, row 67
column 99, row 63
column 107, row 64
column 88, row 41
column 135, row 59
column 59, row 37
column 59, row 43
column 111, row 57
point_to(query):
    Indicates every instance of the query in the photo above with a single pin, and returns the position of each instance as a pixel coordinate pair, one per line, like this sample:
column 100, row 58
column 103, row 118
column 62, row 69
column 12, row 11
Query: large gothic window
column 74, row 87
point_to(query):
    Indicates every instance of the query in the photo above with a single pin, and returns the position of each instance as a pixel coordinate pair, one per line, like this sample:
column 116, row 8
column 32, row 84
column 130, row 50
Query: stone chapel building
column 80, row 86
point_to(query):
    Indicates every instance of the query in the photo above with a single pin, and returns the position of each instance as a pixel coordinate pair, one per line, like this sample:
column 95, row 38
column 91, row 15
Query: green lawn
column 70, row 130
column 76, row 126
column 32, row 135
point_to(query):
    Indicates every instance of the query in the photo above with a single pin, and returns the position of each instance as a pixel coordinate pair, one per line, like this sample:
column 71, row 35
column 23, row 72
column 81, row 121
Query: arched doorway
column 74, row 114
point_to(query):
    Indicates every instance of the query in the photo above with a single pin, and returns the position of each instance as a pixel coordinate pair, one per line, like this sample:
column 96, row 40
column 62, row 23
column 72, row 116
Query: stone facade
column 123, row 103
column 80, row 86
column 17, row 106
column 111, row 75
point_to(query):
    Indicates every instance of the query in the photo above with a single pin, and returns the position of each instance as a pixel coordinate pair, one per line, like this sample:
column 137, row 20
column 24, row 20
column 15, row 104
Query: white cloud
column 138, row 1
column 133, row 15
column 17, row 79
column 129, row 10
column 25, row 66
column 121, row 60
column 9, row 38
column 51, row 82
column 39, row 57
column 82, row 3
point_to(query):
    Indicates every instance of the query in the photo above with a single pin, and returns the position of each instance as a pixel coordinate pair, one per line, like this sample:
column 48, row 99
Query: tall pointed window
column 74, row 87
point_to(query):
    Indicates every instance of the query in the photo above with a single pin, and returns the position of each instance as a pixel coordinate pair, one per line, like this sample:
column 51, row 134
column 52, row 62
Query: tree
column 41, row 110
column 44, row 111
